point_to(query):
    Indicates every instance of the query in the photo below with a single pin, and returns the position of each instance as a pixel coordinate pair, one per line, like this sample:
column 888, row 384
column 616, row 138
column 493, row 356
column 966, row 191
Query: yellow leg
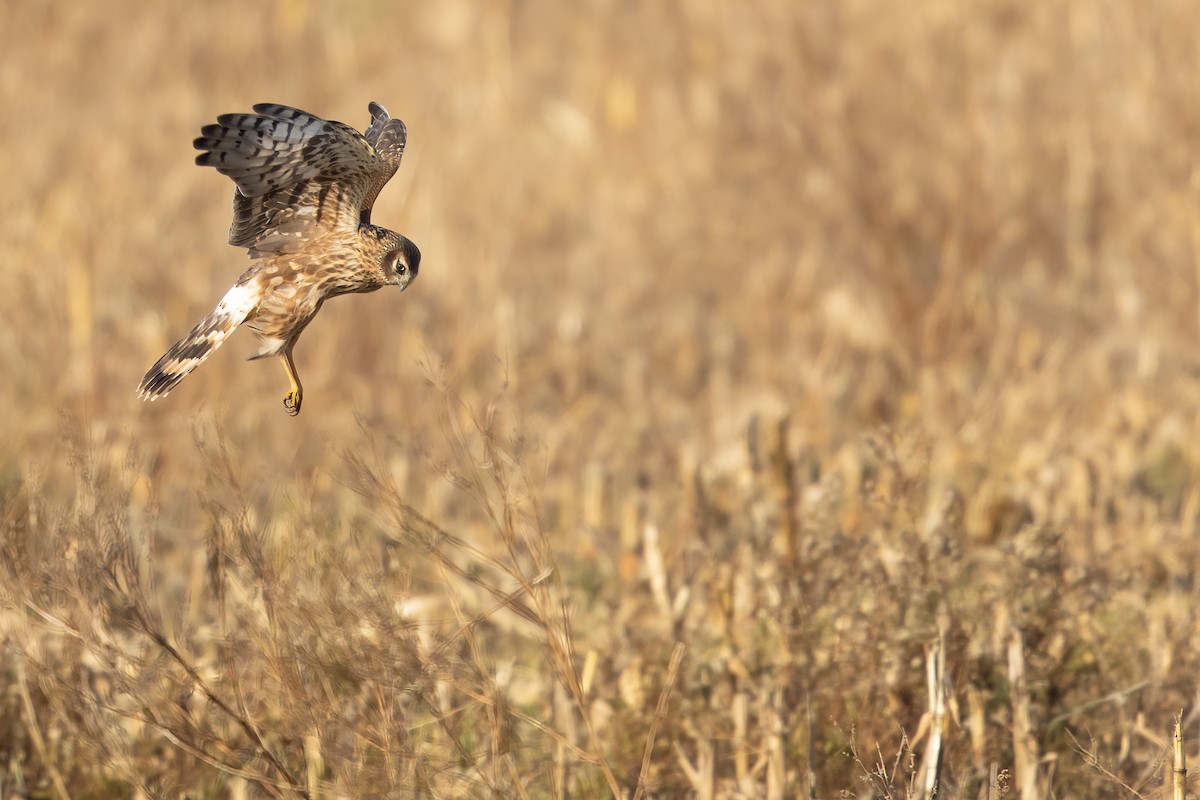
column 292, row 402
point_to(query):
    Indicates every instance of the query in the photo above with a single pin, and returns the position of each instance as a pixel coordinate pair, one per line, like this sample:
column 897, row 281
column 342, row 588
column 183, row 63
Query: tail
column 190, row 351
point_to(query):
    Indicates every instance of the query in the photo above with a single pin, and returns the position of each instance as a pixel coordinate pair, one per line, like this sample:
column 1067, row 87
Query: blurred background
column 811, row 332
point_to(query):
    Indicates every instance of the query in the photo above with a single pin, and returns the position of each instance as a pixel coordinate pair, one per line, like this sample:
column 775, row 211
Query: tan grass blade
column 660, row 713
column 935, row 671
column 1025, row 753
column 1179, row 773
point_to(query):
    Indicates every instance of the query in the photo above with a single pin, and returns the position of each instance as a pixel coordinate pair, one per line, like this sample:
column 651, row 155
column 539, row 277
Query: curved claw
column 291, row 403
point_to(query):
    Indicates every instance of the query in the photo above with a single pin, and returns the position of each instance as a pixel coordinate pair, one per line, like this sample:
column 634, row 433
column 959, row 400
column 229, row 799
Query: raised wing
column 388, row 136
column 295, row 173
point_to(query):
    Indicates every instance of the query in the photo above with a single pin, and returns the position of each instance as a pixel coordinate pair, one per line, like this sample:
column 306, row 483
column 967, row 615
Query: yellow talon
column 296, row 395
column 292, row 403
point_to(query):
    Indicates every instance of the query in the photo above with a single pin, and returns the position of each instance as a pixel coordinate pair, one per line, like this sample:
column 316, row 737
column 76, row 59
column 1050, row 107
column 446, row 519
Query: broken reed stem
column 1025, row 756
column 740, row 711
column 660, row 713
column 1179, row 784
column 935, row 672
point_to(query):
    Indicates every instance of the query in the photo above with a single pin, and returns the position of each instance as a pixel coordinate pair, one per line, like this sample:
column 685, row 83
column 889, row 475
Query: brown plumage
column 302, row 207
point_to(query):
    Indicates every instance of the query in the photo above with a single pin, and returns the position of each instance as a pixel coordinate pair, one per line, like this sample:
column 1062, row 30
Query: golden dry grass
column 802, row 335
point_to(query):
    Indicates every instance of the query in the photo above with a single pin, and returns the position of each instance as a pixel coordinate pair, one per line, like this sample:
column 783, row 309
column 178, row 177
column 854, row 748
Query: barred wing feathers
column 388, row 136
column 295, row 172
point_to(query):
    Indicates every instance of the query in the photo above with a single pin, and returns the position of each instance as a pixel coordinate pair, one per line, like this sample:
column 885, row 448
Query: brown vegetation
column 788, row 387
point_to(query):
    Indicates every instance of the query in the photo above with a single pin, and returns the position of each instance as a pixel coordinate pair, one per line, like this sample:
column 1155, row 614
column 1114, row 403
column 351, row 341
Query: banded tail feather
column 190, row 351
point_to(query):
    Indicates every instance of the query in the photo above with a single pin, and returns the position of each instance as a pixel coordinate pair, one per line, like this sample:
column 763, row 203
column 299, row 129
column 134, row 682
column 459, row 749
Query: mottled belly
column 283, row 312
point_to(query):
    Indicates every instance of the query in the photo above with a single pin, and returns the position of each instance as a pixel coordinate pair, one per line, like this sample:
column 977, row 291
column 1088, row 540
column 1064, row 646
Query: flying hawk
column 302, row 207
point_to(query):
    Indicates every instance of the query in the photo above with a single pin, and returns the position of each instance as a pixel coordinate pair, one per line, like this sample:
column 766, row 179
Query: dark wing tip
column 285, row 113
column 271, row 109
column 380, row 120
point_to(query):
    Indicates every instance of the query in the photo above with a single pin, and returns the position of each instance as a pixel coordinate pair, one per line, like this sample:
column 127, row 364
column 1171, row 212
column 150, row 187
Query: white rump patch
column 238, row 302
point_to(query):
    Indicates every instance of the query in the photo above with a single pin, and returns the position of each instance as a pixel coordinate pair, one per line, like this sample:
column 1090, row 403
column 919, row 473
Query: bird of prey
column 302, row 207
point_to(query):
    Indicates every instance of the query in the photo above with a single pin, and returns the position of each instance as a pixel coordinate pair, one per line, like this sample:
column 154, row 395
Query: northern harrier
column 302, row 207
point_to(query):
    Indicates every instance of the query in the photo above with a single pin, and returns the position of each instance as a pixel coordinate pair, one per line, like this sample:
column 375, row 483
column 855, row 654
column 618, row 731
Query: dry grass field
column 769, row 364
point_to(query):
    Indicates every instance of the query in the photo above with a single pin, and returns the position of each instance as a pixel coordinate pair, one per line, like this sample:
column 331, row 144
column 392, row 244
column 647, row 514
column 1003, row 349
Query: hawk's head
column 401, row 259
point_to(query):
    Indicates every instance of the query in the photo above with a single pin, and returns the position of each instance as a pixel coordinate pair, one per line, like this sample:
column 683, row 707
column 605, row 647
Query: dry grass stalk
column 1178, row 762
column 701, row 773
column 35, row 732
column 773, row 747
column 154, row 633
column 1092, row 760
column 660, row 714
column 740, row 712
column 935, row 676
column 811, row 734
column 1025, row 753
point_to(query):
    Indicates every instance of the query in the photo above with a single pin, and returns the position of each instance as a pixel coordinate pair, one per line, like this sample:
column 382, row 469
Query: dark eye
column 397, row 259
